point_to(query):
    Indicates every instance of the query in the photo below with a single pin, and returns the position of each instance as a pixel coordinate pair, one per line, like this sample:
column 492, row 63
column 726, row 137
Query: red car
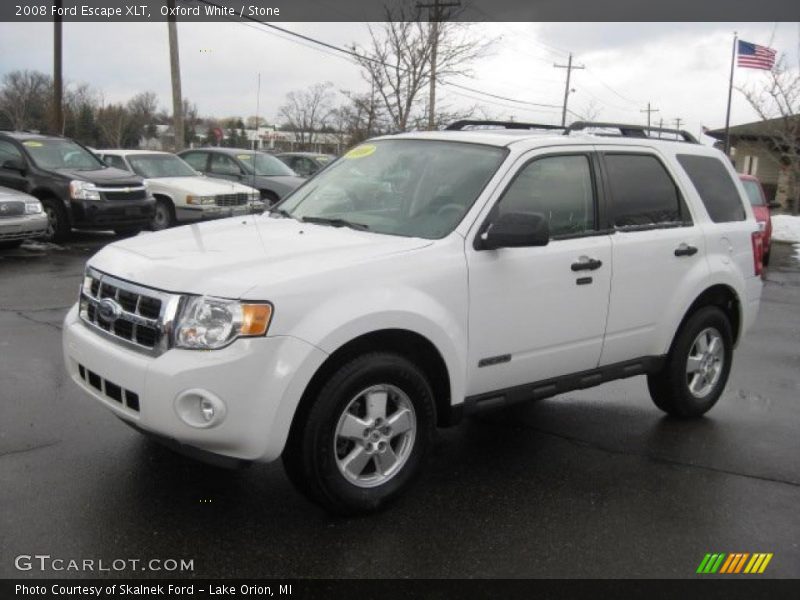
column 760, row 209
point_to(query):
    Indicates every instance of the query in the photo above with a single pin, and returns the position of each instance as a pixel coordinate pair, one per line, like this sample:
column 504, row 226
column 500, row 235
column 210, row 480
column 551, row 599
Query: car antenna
column 255, row 137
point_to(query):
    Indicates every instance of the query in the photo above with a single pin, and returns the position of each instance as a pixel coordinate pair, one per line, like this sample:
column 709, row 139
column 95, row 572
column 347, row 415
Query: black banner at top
column 375, row 10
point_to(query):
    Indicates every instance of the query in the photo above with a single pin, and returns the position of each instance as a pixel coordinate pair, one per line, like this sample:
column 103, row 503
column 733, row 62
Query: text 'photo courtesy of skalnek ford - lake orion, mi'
column 420, row 298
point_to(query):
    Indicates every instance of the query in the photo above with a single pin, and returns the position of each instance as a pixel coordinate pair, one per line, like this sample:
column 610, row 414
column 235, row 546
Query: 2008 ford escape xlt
column 421, row 277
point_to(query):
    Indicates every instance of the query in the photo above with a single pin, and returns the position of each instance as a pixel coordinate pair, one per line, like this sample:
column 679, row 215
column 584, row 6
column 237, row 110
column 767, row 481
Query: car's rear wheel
column 164, row 215
column 366, row 435
column 697, row 367
column 58, row 226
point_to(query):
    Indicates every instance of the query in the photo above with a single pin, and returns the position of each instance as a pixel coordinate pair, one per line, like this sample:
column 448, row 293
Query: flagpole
column 730, row 93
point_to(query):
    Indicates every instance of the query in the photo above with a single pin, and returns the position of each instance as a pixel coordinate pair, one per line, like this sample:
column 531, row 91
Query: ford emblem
column 109, row 310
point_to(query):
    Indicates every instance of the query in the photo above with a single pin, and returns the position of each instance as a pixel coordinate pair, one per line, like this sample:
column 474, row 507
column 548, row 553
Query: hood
column 200, row 186
column 231, row 256
column 11, row 194
column 106, row 176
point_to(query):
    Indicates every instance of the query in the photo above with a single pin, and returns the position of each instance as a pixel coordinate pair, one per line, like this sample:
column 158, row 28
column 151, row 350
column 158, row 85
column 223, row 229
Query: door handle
column 685, row 250
column 587, row 264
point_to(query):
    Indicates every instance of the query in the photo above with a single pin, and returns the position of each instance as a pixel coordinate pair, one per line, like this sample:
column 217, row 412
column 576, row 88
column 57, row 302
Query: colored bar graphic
column 734, row 563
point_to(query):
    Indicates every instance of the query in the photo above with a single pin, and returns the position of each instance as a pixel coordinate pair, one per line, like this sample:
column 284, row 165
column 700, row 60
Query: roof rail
column 464, row 123
column 635, row 131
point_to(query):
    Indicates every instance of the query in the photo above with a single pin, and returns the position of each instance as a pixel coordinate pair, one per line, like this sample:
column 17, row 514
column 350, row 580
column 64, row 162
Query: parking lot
column 595, row 483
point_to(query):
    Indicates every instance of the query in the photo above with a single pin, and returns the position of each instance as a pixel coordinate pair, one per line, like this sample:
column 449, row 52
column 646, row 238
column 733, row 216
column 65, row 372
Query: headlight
column 198, row 200
column 33, row 208
column 254, row 196
column 83, row 190
column 207, row 323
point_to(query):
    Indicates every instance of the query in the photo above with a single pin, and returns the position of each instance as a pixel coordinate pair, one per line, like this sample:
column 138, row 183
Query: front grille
column 231, row 199
column 124, row 193
column 135, row 315
column 110, row 389
column 12, row 208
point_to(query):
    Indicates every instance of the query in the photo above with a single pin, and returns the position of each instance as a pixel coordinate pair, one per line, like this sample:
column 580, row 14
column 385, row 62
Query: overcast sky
column 681, row 68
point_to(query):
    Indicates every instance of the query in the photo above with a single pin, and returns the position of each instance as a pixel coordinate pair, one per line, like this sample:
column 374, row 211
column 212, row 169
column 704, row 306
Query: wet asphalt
column 596, row 483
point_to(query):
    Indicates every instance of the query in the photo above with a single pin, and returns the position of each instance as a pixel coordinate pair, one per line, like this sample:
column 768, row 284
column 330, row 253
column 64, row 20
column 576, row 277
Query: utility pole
column 649, row 111
column 569, row 67
column 175, row 68
column 57, row 126
column 678, row 122
column 434, row 18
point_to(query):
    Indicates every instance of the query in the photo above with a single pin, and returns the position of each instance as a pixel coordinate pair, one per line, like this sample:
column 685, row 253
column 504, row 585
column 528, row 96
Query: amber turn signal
column 255, row 319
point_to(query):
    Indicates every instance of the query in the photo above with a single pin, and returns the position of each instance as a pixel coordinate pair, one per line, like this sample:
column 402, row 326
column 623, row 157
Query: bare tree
column 307, row 111
column 25, row 98
column 113, row 121
column 397, row 59
column 777, row 102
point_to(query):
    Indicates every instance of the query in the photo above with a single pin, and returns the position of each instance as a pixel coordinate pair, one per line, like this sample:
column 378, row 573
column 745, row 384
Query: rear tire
column 58, row 226
column 364, row 439
column 697, row 367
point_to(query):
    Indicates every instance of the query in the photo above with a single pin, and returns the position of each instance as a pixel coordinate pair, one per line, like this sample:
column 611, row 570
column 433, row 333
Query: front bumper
column 260, row 380
column 22, row 227
column 110, row 214
column 207, row 213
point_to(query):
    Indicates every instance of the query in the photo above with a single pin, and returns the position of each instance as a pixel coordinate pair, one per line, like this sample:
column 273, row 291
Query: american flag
column 754, row 56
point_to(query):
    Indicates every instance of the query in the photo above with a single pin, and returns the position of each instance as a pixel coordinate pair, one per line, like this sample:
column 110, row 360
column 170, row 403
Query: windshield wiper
column 281, row 212
column 335, row 222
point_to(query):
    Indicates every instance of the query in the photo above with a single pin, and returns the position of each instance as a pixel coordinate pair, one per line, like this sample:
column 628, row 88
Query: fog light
column 200, row 408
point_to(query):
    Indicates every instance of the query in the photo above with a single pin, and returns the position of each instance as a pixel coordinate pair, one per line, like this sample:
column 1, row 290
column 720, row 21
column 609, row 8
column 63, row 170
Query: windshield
column 62, row 154
column 754, row 192
column 265, row 165
column 416, row 188
column 153, row 166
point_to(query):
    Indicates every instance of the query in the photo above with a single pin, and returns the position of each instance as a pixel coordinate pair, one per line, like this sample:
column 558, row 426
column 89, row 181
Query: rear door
column 657, row 250
column 537, row 313
column 11, row 177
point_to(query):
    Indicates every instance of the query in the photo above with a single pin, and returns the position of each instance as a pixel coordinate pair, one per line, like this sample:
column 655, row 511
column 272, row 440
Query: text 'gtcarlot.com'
column 45, row 562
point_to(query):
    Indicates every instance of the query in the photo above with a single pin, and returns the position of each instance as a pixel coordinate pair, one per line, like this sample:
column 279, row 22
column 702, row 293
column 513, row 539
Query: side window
column 115, row 161
column 196, row 160
column 642, row 191
column 223, row 165
column 715, row 187
column 558, row 187
column 9, row 151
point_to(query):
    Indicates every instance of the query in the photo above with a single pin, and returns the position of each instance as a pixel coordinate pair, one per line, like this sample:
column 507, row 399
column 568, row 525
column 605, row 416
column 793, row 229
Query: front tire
column 58, row 226
column 164, row 215
column 365, row 437
column 697, row 367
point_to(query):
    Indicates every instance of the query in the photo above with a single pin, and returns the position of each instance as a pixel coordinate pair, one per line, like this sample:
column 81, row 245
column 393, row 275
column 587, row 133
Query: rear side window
column 715, row 187
column 643, row 192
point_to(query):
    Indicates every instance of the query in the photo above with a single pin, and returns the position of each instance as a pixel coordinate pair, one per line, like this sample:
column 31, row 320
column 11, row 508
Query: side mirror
column 516, row 230
column 773, row 205
column 14, row 164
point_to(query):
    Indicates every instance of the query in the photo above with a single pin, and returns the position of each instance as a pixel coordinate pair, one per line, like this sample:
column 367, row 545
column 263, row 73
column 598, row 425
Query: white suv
column 422, row 277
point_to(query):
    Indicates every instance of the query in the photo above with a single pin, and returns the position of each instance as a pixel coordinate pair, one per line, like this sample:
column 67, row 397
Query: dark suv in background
column 76, row 189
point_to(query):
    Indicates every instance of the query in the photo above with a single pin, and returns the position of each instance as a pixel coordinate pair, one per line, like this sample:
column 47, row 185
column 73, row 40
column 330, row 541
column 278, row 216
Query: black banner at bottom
column 369, row 589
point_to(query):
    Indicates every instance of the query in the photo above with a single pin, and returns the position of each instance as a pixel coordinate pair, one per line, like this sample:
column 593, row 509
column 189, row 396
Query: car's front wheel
column 164, row 215
column 365, row 436
column 697, row 367
column 58, row 226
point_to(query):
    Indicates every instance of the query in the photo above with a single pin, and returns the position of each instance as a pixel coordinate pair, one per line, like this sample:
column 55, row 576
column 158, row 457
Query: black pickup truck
column 76, row 188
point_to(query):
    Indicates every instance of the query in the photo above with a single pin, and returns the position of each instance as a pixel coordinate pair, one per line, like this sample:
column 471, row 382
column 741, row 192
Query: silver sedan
column 21, row 218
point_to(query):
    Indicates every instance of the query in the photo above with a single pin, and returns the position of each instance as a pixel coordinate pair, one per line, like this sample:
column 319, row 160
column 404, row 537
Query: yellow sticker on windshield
column 244, row 156
column 361, row 151
column 32, row 144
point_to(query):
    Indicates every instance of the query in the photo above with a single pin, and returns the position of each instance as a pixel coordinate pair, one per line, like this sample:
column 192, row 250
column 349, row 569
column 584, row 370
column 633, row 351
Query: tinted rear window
column 643, row 192
column 754, row 193
column 715, row 187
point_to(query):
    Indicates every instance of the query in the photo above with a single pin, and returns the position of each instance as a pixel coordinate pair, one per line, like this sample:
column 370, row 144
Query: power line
column 649, row 111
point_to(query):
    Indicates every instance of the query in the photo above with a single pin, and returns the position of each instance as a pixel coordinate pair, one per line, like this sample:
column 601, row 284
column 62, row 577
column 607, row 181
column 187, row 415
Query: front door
column 537, row 313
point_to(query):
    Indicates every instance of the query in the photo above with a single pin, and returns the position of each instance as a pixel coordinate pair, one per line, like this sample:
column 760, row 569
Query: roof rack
column 634, row 131
column 464, row 123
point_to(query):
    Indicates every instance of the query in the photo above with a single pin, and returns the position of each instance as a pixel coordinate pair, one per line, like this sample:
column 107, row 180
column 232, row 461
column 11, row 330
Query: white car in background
column 182, row 194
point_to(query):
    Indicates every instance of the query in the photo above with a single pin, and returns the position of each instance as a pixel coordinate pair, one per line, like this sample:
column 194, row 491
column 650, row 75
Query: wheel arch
column 722, row 296
column 411, row 345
